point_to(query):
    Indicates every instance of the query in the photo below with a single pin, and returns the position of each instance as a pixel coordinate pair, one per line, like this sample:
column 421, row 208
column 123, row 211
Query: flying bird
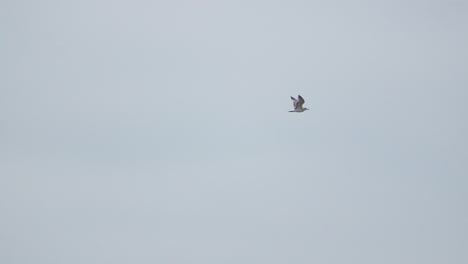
column 298, row 104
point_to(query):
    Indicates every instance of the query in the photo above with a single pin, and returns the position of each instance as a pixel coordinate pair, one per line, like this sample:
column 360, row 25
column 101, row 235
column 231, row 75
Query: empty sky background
column 158, row 132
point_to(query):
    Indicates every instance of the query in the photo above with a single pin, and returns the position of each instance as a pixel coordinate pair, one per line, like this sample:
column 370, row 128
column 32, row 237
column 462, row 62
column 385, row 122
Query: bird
column 298, row 104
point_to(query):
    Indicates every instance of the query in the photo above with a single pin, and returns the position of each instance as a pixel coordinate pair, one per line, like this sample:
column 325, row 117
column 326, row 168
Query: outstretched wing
column 299, row 103
column 301, row 100
column 294, row 101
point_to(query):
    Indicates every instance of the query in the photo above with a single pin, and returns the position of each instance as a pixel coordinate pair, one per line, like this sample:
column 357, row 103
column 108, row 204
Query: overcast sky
column 158, row 132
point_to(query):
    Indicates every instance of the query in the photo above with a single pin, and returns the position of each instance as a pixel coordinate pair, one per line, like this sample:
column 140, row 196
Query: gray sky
column 158, row 132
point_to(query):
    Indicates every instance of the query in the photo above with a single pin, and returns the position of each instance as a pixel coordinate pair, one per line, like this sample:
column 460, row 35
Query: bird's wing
column 294, row 101
column 301, row 99
column 300, row 102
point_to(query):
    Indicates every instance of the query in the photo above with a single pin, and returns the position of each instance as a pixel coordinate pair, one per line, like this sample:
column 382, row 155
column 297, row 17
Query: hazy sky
column 158, row 132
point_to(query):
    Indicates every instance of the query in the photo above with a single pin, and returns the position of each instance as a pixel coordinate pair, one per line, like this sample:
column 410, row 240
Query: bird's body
column 298, row 104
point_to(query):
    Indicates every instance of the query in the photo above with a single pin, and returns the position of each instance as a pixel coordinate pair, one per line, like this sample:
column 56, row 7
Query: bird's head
column 306, row 109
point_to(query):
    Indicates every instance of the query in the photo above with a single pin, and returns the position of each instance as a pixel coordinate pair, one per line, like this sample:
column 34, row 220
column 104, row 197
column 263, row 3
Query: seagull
column 298, row 104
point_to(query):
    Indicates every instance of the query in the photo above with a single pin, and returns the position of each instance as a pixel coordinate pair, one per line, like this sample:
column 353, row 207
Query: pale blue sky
column 159, row 132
